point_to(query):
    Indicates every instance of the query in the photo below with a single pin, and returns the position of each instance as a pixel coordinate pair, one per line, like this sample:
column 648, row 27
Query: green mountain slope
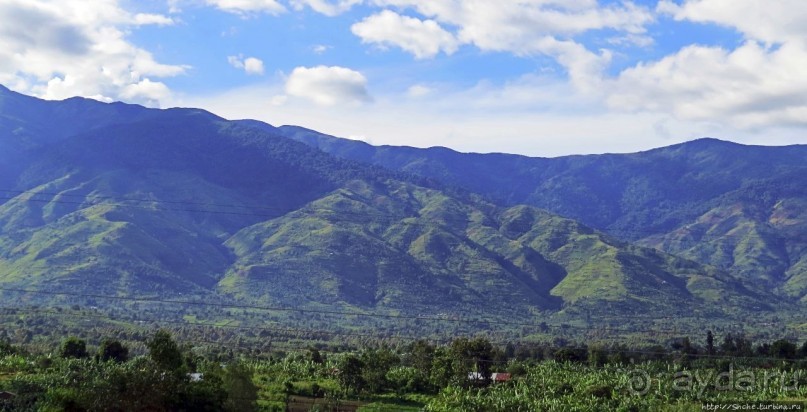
column 656, row 197
column 757, row 231
column 403, row 247
column 183, row 202
column 28, row 124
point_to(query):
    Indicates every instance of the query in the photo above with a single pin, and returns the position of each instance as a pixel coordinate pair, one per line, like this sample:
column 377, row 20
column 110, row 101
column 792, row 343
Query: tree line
column 175, row 377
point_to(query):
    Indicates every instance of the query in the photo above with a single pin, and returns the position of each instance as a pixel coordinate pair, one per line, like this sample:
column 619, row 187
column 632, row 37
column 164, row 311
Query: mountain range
column 118, row 199
column 738, row 208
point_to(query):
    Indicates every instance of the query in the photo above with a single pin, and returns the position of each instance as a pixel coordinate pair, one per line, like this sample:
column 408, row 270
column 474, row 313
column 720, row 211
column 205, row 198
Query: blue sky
column 538, row 77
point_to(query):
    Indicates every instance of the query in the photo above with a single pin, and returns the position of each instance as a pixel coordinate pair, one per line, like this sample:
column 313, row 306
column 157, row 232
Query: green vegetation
column 458, row 376
column 739, row 208
column 73, row 348
column 112, row 350
column 155, row 383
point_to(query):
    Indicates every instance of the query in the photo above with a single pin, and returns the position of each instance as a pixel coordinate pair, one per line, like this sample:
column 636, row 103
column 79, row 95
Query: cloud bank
column 59, row 49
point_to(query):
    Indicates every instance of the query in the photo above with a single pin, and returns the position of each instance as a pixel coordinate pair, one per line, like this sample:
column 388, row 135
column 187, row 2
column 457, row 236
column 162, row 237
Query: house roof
column 500, row 376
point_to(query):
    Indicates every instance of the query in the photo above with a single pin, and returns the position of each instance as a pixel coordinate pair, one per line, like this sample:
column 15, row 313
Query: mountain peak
column 701, row 144
column 711, row 141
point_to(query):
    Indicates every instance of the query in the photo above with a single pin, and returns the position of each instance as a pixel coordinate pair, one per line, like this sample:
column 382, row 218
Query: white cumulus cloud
column 763, row 20
column 143, row 19
column 751, row 86
column 759, row 83
column 422, row 38
column 522, row 28
column 515, row 26
column 154, row 92
column 58, row 49
column 251, row 65
column 328, row 85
